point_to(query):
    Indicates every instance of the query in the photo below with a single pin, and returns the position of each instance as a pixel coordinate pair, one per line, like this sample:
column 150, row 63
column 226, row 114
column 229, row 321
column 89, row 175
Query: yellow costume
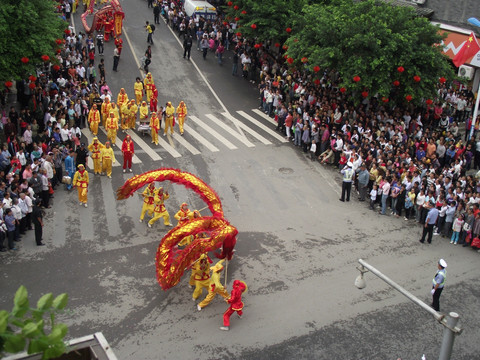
column 159, row 209
column 138, row 88
column 200, row 276
column 105, row 110
column 114, row 108
column 155, row 126
column 143, row 112
column 112, row 126
column 108, row 158
column 169, row 112
column 122, row 98
column 94, row 120
column 148, row 200
column 96, row 149
column 148, row 82
column 80, row 180
column 215, row 286
column 125, row 112
column 132, row 118
column 184, row 214
column 181, row 114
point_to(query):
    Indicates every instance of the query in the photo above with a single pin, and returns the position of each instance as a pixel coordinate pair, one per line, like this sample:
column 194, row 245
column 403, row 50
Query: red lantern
column 277, row 45
column 316, row 69
column 275, row 83
column 32, row 78
column 304, row 60
column 342, row 90
column 442, row 80
column 285, row 47
column 285, row 56
column 56, row 67
column 59, row 51
column 230, row 3
column 295, row 40
column 257, row 46
column 236, row 7
column 45, row 58
column 58, row 41
column 253, row 26
column 429, row 101
column 288, row 30
column 24, row 60
column 290, row 60
column 400, row 69
column 317, row 81
column 239, row 34
column 385, row 100
column 67, row 32
column 31, row 85
column 396, row 83
column 225, row 23
column 408, row 98
column 8, row 84
column 356, row 78
column 416, row 78
column 364, row 94
column 244, row 12
column 237, row 18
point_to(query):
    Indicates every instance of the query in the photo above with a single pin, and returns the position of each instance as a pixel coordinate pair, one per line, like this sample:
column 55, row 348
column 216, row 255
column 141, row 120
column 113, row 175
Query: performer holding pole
column 159, row 210
column 215, row 286
column 236, row 304
column 148, row 200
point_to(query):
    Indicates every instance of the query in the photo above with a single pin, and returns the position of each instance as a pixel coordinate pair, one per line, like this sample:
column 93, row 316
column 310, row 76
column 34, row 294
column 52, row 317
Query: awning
column 454, row 42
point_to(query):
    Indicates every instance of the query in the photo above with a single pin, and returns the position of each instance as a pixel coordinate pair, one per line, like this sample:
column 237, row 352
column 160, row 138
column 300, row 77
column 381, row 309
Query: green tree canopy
column 27, row 29
column 372, row 40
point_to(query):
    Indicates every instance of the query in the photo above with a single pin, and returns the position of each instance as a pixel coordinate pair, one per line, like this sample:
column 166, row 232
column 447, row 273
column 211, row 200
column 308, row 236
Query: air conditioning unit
column 466, row 72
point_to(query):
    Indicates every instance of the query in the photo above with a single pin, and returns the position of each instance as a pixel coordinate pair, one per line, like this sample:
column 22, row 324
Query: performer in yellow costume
column 159, row 209
column 105, row 110
column 96, row 149
column 148, row 200
column 94, row 119
column 122, row 98
column 112, row 127
column 148, row 82
column 215, row 286
column 115, row 109
column 155, row 126
column 169, row 113
column 138, row 88
column 181, row 115
column 132, row 118
column 108, row 158
column 143, row 112
column 125, row 113
column 184, row 214
column 80, row 180
column 200, row 275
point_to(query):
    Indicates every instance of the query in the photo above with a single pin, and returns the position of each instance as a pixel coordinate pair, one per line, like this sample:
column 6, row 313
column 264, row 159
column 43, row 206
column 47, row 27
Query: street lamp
column 476, row 22
column 449, row 321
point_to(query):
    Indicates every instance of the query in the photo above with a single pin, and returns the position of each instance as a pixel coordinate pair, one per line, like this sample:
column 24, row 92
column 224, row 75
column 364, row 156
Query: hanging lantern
column 304, row 60
column 356, row 78
column 230, row 3
column 59, row 51
column 400, row 69
column 417, row 78
column 67, row 31
column 257, row 46
column 317, row 81
column 244, row 12
column 429, row 101
column 316, row 68
column 408, row 98
column 45, row 58
column 8, row 84
column 342, row 90
column 225, row 23
column 396, row 83
column 31, row 85
column 288, row 30
column 56, row 67
column 58, row 41
column 385, row 99
column 24, row 60
column 277, row 45
column 239, row 34
column 364, row 94
column 290, row 60
column 285, row 56
column 237, row 18
column 253, row 26
column 236, row 7
column 32, row 78
column 285, row 47
column 442, row 80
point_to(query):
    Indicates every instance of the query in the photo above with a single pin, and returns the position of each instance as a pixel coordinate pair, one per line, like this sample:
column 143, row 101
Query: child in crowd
column 373, row 196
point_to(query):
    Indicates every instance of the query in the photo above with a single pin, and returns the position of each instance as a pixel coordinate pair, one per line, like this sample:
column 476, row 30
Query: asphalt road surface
column 297, row 246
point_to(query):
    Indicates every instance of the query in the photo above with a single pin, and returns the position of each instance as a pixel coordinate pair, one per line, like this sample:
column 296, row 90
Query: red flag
column 468, row 50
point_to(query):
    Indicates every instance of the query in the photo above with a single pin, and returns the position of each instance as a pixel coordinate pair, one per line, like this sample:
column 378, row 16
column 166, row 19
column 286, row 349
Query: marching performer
column 115, row 109
column 94, row 119
column 96, row 149
column 149, row 83
column 108, row 158
column 112, row 127
column 181, row 114
column 148, row 200
column 128, row 151
column 155, row 126
column 138, row 88
column 80, row 181
column 132, row 118
column 169, row 118
column 105, row 110
column 200, row 276
column 215, row 287
column 154, row 100
column 122, row 98
column 184, row 214
column 236, row 304
column 159, row 209
column 125, row 113
column 143, row 112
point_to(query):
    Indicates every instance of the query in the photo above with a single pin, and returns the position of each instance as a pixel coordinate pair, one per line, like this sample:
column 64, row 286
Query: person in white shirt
column 21, row 157
column 65, row 134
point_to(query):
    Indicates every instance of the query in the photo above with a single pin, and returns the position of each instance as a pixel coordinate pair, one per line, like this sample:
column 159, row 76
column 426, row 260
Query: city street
column 297, row 247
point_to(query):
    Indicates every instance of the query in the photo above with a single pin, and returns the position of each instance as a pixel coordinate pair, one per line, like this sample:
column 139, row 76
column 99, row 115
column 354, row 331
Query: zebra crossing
column 203, row 134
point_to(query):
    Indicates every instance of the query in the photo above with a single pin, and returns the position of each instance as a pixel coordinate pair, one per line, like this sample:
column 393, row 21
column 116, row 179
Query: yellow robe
column 169, row 112
column 181, row 114
column 105, row 111
column 94, row 120
column 112, row 126
column 81, row 182
column 108, row 158
column 138, row 88
column 96, row 150
column 159, row 210
column 215, row 287
column 155, row 126
column 148, row 201
column 200, row 277
column 132, row 118
column 149, row 87
column 122, row 99
column 125, row 110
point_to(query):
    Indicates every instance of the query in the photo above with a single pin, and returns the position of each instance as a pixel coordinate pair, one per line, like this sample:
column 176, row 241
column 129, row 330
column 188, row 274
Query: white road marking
column 200, row 138
column 240, row 137
column 170, row 149
column 186, row 144
column 247, row 129
column 262, row 126
column 89, row 137
column 109, row 197
column 213, row 132
column 118, row 144
column 265, row 116
column 144, row 146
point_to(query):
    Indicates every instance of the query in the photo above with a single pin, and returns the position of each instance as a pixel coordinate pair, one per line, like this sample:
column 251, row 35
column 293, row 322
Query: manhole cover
column 285, row 170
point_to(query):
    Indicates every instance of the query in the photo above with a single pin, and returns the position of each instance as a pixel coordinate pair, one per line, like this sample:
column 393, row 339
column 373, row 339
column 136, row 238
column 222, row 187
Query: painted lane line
column 247, row 129
column 200, row 138
column 118, row 144
column 265, row 116
column 170, row 149
column 262, row 126
column 89, row 137
column 240, row 137
column 186, row 144
column 211, row 131
column 144, row 146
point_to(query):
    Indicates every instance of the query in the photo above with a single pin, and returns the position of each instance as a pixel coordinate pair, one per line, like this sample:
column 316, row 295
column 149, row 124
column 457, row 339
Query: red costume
column 128, row 151
column 119, row 45
column 227, row 248
column 235, row 302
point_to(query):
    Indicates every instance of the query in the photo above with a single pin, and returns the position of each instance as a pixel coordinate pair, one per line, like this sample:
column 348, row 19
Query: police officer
column 347, row 181
column 438, row 283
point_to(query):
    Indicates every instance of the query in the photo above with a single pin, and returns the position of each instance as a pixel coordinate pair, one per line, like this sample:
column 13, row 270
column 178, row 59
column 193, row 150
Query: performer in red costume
column 154, row 100
column 128, row 151
column 119, row 44
column 236, row 304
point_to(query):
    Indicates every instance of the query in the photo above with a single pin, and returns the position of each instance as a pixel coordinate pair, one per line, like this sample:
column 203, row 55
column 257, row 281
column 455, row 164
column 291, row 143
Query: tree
column 28, row 29
column 393, row 52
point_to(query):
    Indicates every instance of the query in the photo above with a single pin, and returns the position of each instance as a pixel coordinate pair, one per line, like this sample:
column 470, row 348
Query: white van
column 200, row 8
